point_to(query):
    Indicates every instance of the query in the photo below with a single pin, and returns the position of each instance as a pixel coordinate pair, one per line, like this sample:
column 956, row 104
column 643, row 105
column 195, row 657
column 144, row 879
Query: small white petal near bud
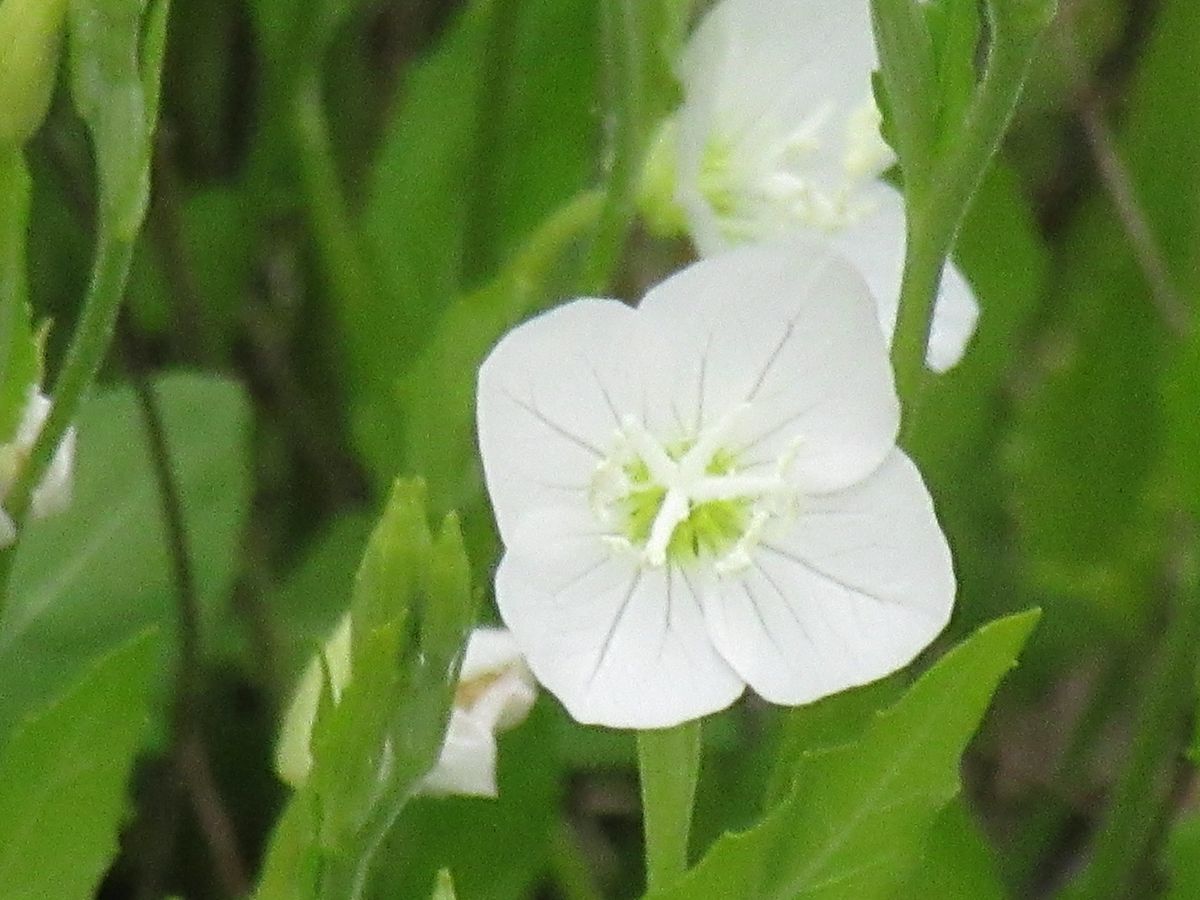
column 495, row 693
column 53, row 493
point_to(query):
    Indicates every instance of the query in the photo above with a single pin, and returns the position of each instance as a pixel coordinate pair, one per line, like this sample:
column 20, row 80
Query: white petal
column 618, row 645
column 551, row 397
column 507, row 700
column 751, row 60
column 34, row 417
column 490, row 651
column 53, row 494
column 875, row 245
column 859, row 585
column 467, row 764
column 755, row 74
column 790, row 329
column 954, row 320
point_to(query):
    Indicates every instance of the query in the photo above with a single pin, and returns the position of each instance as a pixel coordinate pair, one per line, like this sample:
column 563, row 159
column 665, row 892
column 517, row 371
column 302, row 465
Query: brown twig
column 1118, row 183
column 190, row 755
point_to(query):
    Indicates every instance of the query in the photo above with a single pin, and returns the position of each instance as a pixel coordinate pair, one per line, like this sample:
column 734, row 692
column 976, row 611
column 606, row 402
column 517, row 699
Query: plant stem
column 936, row 208
column 93, row 335
column 14, row 218
column 669, row 764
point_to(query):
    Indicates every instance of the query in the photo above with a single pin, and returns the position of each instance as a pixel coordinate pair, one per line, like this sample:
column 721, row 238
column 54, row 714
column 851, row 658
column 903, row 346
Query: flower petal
column 551, row 397
column 467, row 763
column 859, row 585
column 619, row 645
column 490, row 651
column 875, row 245
column 766, row 81
column 751, row 61
column 788, row 331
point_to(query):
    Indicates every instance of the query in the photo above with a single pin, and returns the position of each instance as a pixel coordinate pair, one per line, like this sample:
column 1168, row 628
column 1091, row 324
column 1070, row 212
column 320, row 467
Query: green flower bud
column 30, row 38
column 656, row 192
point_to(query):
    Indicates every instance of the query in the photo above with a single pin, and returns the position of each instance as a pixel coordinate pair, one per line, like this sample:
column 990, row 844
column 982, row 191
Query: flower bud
column 30, row 38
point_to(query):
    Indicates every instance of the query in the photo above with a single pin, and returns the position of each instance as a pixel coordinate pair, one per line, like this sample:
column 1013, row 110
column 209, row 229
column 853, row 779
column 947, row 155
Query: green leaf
column 958, row 862
column 63, row 777
column 114, row 85
column 86, row 580
column 825, row 724
column 856, row 822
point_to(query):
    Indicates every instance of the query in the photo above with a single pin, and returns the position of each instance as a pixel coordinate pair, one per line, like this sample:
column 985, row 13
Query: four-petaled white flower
column 495, row 693
column 53, row 493
column 704, row 493
column 779, row 132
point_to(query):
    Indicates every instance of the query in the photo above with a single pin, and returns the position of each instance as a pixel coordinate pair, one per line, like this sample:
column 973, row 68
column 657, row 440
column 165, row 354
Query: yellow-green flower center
column 711, row 528
column 678, row 503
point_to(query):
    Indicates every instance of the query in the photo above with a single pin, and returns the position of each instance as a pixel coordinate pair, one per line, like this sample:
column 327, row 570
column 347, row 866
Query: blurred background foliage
column 353, row 198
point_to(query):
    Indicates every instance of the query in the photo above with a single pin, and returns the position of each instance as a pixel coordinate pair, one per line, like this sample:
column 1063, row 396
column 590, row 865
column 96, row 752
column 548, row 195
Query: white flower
column 705, row 493
column 53, row 494
column 495, row 693
column 779, row 132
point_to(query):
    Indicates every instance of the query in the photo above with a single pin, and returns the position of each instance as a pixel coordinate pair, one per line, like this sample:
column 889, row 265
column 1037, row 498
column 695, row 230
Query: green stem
column 669, row 764
column 14, row 218
column 936, row 208
column 629, row 101
column 93, row 335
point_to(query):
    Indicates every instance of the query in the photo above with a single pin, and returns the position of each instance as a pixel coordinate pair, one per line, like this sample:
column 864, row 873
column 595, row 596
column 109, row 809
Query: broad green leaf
column 63, row 777
column 86, row 580
column 828, row 723
column 114, row 86
column 20, row 366
column 958, row 863
column 856, row 822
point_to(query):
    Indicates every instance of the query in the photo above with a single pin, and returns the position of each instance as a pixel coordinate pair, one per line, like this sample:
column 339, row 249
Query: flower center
column 676, row 503
column 758, row 186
